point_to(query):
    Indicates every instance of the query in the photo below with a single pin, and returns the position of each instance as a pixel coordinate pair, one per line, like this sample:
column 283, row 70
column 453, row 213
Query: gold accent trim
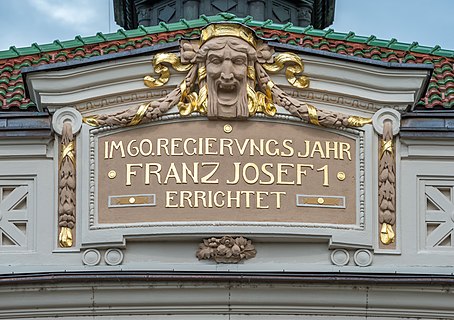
column 261, row 102
column 253, row 104
column 164, row 74
column 323, row 201
column 68, row 151
column 202, row 99
column 251, row 73
column 183, row 108
column 270, row 108
column 341, row 176
column 228, row 128
column 65, row 238
column 224, row 30
column 112, row 174
column 91, row 121
column 186, row 108
column 356, row 121
column 386, row 146
column 126, row 201
column 313, row 117
column 202, row 73
column 387, row 235
column 295, row 66
column 139, row 115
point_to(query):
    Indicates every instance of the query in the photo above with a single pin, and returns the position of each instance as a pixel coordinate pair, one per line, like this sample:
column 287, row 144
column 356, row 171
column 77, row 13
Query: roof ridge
column 122, row 34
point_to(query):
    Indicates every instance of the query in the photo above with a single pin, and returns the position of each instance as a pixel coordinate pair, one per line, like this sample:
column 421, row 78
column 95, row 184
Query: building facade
column 226, row 168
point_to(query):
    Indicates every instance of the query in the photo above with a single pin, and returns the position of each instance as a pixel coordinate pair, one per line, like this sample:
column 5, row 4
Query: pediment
column 116, row 81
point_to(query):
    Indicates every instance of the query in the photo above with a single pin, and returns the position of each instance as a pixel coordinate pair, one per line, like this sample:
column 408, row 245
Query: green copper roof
column 440, row 93
column 203, row 20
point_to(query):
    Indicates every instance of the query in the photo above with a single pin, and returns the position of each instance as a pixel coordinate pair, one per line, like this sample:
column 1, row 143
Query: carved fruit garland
column 226, row 249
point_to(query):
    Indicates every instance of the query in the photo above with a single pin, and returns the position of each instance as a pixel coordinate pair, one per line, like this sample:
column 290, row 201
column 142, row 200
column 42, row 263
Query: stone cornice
column 183, row 294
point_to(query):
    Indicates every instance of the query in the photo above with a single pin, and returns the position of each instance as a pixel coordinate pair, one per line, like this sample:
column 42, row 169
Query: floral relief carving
column 226, row 249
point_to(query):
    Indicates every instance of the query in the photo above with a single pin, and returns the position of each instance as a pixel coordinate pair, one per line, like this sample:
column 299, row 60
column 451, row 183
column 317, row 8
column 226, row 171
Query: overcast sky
column 429, row 22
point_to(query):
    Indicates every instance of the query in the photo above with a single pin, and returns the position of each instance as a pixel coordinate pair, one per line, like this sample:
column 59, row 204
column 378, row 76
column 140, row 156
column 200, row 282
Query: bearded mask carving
column 227, row 60
column 227, row 78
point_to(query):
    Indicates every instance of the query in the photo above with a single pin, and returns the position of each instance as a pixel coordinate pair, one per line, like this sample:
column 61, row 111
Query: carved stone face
column 226, row 66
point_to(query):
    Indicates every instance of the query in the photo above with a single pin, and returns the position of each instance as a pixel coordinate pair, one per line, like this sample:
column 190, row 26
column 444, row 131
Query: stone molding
column 66, row 114
column 354, row 85
column 386, row 114
column 121, row 295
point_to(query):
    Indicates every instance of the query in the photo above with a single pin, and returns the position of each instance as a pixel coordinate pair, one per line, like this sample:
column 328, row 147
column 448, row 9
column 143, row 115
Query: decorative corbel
column 66, row 122
column 386, row 123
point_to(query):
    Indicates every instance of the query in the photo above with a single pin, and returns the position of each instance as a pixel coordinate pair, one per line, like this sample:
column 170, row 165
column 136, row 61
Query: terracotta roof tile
column 440, row 93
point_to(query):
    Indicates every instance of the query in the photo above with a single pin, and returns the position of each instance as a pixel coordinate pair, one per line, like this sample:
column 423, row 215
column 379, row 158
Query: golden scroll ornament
column 159, row 64
column 295, row 66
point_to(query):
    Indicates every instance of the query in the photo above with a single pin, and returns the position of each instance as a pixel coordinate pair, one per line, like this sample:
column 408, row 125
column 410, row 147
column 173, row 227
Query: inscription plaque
column 257, row 171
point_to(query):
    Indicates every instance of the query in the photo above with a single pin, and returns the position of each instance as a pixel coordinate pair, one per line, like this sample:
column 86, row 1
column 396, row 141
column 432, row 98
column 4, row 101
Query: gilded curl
column 160, row 61
column 294, row 66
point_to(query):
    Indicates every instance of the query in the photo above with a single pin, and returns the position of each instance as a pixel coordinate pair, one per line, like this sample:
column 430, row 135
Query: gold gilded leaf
column 356, row 121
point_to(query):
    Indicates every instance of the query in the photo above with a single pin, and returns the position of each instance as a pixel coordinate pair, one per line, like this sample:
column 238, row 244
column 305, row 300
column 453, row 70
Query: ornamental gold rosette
column 227, row 77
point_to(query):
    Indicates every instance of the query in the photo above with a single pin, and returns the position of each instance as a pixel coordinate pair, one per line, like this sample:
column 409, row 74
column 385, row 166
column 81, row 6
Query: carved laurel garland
column 304, row 110
column 226, row 249
column 263, row 94
column 67, row 188
column 387, row 185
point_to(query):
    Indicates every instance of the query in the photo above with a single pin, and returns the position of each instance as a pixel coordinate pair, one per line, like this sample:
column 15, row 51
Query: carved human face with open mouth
column 227, row 81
